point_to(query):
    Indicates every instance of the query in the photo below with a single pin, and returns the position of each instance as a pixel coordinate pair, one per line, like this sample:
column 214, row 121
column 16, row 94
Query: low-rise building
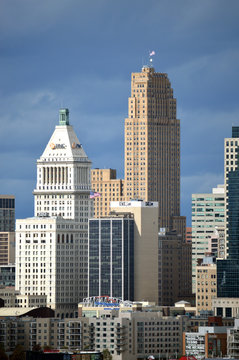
column 226, row 307
column 13, row 298
column 127, row 335
column 233, row 341
column 209, row 341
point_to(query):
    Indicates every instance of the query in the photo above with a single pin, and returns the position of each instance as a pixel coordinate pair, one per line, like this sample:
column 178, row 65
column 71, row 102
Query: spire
column 64, row 117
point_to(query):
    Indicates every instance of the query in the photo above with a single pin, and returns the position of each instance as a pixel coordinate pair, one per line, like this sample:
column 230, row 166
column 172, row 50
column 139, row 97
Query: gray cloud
column 80, row 55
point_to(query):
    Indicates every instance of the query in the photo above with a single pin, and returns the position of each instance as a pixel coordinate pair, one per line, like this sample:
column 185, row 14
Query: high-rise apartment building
column 152, row 145
column 108, row 188
column 52, row 247
column 111, row 257
column 208, row 212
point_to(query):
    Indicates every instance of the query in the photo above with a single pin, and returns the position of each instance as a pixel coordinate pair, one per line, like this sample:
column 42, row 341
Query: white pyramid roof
column 64, row 143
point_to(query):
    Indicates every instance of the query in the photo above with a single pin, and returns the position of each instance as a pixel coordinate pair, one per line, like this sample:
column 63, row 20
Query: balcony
column 60, row 344
column 61, row 337
column 75, row 325
column 75, row 334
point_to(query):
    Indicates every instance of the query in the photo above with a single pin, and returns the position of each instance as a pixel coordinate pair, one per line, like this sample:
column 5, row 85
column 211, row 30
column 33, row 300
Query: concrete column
column 44, row 175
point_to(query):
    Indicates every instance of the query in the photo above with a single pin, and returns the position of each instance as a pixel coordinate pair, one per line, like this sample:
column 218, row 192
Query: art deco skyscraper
column 152, row 146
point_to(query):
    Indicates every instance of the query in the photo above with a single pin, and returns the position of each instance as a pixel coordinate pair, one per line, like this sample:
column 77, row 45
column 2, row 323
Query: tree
column 107, row 355
column 47, row 347
column 3, row 355
column 37, row 348
column 18, row 353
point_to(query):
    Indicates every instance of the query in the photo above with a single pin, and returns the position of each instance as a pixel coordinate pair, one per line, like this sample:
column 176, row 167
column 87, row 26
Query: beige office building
column 145, row 247
column 152, row 145
column 206, row 284
column 152, row 152
column 105, row 183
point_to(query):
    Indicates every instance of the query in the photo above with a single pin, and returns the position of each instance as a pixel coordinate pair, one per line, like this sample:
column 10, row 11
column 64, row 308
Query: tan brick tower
column 152, row 146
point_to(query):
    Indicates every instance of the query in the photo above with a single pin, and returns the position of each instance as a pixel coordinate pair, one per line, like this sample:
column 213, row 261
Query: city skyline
column 84, row 63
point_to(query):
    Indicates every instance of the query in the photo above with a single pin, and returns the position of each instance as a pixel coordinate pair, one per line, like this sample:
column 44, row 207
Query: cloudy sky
column 80, row 54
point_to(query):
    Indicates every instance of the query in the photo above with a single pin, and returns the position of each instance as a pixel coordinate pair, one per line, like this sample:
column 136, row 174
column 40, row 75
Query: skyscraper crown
column 64, row 117
column 64, row 144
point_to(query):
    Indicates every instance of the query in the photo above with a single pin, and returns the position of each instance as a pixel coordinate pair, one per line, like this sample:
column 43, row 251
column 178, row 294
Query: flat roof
column 15, row 311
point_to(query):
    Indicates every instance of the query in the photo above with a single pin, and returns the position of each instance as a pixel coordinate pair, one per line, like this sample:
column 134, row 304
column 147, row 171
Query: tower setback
column 152, row 144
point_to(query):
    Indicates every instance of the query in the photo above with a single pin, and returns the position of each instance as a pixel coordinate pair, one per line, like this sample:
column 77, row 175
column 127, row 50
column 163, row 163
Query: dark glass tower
column 235, row 131
column 7, row 213
column 228, row 270
column 111, row 258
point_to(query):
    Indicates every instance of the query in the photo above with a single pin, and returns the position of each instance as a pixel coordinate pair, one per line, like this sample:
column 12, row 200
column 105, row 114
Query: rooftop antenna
column 151, row 54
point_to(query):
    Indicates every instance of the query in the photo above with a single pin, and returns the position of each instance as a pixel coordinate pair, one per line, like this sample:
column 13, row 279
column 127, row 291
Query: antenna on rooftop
column 151, row 53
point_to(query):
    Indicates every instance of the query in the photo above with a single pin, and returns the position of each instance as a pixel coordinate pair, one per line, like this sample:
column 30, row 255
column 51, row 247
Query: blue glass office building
column 111, row 257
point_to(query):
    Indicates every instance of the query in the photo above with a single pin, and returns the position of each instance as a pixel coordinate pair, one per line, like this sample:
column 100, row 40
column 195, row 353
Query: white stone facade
column 51, row 247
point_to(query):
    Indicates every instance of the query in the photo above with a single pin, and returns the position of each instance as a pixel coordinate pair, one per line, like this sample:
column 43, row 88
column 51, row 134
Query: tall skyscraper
column 52, row 246
column 152, row 167
column 152, row 146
